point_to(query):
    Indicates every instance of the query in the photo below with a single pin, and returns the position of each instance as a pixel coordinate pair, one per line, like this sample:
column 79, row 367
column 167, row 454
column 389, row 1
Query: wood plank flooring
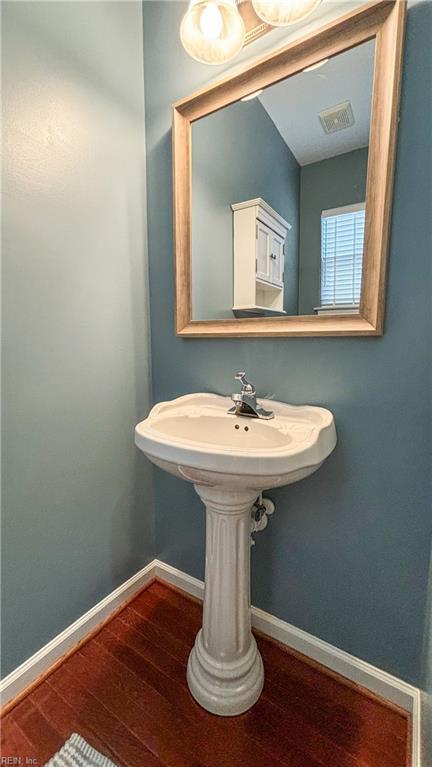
column 125, row 692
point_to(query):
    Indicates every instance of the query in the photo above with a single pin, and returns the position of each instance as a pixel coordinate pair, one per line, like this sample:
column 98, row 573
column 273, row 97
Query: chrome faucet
column 245, row 403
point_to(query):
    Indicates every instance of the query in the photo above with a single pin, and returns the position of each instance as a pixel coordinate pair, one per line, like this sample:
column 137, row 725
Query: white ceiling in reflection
column 294, row 104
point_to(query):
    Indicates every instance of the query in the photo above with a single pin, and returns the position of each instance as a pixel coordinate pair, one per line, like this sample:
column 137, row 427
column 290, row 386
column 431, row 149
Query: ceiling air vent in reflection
column 337, row 118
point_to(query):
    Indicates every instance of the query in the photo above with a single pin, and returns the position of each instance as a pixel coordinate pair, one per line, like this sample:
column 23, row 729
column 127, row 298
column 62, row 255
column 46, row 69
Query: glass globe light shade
column 284, row 12
column 212, row 32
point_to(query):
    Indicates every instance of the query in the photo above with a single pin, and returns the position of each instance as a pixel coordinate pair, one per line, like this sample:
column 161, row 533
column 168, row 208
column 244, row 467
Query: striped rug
column 77, row 753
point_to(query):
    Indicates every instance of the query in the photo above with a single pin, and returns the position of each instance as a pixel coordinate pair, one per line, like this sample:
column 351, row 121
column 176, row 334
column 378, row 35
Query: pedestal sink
column 230, row 460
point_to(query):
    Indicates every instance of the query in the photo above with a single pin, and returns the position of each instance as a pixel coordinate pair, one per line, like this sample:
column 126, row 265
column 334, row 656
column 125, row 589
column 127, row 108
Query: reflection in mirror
column 278, row 195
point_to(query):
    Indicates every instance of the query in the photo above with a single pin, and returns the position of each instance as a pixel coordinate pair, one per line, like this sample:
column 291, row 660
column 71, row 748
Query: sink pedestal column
column 225, row 671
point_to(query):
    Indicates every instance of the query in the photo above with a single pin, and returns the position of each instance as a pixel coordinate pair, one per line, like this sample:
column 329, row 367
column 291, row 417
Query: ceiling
column 294, row 104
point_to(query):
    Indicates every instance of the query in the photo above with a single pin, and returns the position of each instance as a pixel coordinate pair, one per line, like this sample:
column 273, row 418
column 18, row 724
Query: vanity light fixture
column 284, row 12
column 315, row 66
column 212, row 32
column 252, row 95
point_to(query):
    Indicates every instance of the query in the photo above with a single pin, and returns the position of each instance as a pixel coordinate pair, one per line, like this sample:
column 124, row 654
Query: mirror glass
column 278, row 195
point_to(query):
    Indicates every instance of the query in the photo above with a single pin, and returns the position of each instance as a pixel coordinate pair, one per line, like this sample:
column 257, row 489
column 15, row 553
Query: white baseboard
column 29, row 671
column 356, row 670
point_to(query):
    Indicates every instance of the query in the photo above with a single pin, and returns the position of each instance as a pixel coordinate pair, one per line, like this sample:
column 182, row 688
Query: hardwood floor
column 125, row 692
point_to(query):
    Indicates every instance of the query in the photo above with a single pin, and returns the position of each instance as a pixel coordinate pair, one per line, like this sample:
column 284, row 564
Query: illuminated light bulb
column 315, row 66
column 284, row 12
column 252, row 95
column 211, row 22
column 212, row 32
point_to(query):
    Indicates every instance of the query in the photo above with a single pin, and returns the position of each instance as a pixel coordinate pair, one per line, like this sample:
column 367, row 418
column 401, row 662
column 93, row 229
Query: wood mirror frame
column 383, row 20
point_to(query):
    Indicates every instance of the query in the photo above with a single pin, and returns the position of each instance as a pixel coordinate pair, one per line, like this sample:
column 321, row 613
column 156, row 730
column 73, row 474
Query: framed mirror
column 283, row 178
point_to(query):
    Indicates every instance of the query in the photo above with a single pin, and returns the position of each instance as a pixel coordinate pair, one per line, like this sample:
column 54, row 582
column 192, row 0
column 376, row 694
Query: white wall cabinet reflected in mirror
column 259, row 246
column 283, row 186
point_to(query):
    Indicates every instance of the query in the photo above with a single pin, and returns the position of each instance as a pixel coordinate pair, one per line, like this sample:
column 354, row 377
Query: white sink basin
column 195, row 438
column 231, row 459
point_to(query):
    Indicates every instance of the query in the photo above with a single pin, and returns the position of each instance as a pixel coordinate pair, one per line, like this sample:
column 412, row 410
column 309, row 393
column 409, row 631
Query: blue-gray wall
column 324, row 185
column 77, row 504
column 237, row 154
column 346, row 554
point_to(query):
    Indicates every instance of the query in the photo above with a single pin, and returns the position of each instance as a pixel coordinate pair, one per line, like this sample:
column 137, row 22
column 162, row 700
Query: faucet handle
column 247, row 388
